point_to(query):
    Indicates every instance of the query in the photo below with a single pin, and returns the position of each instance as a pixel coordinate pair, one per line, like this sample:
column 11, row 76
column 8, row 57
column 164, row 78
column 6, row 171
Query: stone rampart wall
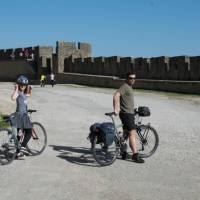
column 159, row 68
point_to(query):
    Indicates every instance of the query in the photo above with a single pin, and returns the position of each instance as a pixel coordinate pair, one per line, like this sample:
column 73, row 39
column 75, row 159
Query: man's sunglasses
column 131, row 78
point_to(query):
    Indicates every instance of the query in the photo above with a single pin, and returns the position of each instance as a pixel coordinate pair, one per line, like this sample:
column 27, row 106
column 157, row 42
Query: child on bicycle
column 22, row 121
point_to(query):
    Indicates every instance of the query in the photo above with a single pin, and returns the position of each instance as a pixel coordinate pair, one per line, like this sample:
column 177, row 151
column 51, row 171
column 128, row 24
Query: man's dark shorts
column 128, row 121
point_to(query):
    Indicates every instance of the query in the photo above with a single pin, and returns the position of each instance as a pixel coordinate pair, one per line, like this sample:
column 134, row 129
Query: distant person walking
column 42, row 80
column 12, row 55
column 52, row 79
column 26, row 53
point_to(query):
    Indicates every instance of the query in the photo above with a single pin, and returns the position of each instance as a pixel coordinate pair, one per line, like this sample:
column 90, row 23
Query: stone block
column 78, row 65
column 126, row 65
column 88, row 66
column 85, row 49
column 99, row 63
column 179, row 67
column 142, row 68
column 111, row 67
column 159, row 67
column 195, row 68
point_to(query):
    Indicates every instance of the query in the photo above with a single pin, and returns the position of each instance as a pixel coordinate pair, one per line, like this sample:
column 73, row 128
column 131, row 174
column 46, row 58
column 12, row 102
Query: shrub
column 3, row 124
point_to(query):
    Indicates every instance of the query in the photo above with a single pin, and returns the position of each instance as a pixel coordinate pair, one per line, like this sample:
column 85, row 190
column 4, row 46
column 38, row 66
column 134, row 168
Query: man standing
column 123, row 104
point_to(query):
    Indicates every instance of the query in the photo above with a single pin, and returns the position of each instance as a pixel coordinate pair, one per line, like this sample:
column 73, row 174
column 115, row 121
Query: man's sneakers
column 137, row 158
column 20, row 156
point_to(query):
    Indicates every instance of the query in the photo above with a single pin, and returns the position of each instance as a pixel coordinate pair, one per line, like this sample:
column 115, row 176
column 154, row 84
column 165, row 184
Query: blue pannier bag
column 107, row 131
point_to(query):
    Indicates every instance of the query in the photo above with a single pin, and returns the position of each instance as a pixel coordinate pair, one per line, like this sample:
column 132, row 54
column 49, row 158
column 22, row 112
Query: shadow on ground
column 76, row 155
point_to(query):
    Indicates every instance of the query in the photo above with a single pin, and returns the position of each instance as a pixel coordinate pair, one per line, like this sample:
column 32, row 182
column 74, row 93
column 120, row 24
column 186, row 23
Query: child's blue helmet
column 22, row 80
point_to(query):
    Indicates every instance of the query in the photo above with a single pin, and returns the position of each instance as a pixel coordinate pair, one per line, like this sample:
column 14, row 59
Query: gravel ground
column 67, row 171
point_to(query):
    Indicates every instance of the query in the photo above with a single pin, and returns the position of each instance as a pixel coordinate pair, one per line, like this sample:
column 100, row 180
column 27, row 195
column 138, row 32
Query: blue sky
column 146, row 28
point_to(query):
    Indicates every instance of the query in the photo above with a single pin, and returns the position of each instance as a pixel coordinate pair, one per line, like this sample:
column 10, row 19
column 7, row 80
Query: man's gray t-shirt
column 126, row 99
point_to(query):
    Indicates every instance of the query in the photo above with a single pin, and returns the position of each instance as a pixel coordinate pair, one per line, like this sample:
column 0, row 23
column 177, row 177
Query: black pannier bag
column 105, row 132
column 144, row 111
column 95, row 130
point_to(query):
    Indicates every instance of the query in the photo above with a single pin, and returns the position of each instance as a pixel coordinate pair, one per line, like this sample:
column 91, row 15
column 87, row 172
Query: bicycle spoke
column 147, row 140
column 103, row 154
column 38, row 141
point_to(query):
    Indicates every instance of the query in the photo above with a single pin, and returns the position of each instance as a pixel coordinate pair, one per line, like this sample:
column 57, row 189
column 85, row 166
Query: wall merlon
column 142, row 68
column 179, row 68
column 100, row 59
column 127, row 64
column 112, row 65
column 88, row 59
column 195, row 68
column 45, row 51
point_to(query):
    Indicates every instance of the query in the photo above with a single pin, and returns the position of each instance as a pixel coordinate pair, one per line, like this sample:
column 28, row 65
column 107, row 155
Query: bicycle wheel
column 38, row 141
column 147, row 140
column 103, row 154
column 7, row 146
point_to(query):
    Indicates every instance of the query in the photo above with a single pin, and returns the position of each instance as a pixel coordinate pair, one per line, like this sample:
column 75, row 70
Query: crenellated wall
column 18, row 53
column 43, row 59
column 9, row 71
column 162, row 73
column 159, row 68
column 18, row 61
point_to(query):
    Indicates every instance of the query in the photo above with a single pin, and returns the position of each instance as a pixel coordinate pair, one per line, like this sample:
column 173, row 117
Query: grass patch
column 3, row 124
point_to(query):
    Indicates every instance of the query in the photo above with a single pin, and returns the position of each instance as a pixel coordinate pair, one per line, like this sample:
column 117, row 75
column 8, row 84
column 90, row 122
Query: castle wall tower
column 69, row 49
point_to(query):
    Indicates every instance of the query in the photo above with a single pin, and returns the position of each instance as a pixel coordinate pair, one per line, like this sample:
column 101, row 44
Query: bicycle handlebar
column 7, row 118
column 113, row 113
column 31, row 111
column 110, row 114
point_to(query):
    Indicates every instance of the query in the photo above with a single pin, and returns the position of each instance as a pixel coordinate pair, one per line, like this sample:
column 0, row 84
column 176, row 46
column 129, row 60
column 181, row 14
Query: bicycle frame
column 16, row 137
column 144, row 134
column 117, row 136
column 138, row 122
column 15, row 132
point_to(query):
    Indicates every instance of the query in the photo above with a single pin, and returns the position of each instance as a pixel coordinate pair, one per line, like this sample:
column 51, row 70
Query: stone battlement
column 158, row 68
column 44, row 60
column 71, row 57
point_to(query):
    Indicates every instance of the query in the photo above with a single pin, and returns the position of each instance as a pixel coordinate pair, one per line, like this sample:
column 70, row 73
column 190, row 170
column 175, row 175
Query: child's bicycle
column 10, row 141
column 105, row 153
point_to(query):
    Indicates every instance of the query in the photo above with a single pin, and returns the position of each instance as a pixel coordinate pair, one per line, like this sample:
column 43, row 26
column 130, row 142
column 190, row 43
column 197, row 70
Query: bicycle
column 10, row 141
column 147, row 139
